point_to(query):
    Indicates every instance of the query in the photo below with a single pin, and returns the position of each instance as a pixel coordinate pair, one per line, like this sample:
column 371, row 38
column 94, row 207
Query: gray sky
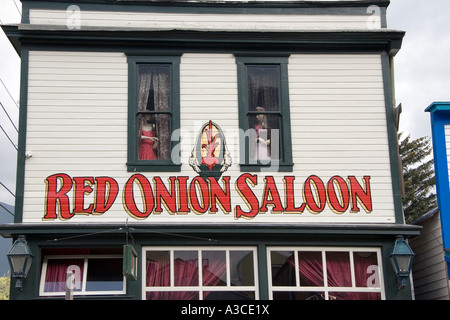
column 422, row 66
column 422, row 72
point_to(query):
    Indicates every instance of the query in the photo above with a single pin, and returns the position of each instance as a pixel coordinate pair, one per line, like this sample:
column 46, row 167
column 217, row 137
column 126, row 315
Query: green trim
column 133, row 164
column 22, row 136
column 263, row 275
column 285, row 164
column 206, row 230
column 392, row 137
column 178, row 42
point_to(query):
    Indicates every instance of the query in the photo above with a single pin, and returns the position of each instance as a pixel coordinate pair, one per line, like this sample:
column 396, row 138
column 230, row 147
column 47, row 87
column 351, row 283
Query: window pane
column 311, row 268
column 354, row 296
column 228, row 295
column 56, row 276
column 283, row 271
column 104, row 275
column 338, row 269
column 242, row 272
column 263, row 87
column 158, row 269
column 154, row 88
column 172, row 295
column 186, row 268
column 214, row 268
column 366, row 269
column 302, row 295
column 264, row 136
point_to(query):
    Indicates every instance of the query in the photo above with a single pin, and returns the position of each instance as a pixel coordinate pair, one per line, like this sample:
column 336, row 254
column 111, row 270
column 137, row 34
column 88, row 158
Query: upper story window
column 153, row 114
column 264, row 114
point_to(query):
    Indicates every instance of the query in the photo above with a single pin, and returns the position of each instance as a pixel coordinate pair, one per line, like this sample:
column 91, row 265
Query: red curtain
column 55, row 278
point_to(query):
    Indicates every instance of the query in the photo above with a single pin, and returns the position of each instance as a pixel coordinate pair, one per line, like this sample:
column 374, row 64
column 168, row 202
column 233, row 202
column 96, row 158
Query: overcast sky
column 422, row 72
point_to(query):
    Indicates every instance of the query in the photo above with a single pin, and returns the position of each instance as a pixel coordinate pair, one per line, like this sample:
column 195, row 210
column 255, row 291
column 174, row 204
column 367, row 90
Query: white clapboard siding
column 77, row 125
column 201, row 21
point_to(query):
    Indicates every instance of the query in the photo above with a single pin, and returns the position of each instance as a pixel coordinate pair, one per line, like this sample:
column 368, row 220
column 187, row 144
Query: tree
column 4, row 287
column 418, row 176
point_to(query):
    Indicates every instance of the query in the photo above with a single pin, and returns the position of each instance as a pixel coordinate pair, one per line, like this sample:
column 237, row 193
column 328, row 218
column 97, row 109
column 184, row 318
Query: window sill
column 282, row 167
column 157, row 166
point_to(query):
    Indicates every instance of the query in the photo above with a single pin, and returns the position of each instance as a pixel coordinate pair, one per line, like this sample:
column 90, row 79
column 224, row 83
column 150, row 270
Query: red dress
column 146, row 151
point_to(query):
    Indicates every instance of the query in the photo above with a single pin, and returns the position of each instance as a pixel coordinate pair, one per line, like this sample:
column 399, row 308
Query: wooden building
column 257, row 138
column 430, row 271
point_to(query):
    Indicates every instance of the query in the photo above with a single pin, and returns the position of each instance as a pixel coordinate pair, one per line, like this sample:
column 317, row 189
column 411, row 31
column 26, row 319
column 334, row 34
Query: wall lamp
column 20, row 258
column 402, row 259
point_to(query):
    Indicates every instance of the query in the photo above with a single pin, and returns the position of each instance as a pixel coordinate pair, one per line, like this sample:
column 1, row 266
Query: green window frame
column 279, row 112
column 170, row 67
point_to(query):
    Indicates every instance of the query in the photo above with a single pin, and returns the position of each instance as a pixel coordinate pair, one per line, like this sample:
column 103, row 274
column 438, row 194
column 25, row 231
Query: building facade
column 256, row 138
column 430, row 270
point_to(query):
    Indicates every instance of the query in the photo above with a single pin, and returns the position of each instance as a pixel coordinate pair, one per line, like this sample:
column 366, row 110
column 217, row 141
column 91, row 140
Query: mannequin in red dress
column 148, row 141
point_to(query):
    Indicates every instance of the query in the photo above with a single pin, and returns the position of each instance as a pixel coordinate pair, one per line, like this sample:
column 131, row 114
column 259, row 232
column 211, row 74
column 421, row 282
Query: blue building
column 440, row 124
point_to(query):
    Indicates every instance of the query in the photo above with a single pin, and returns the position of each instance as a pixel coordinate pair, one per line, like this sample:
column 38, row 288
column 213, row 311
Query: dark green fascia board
column 262, row 229
column 215, row 3
column 206, row 41
column 392, row 136
column 22, row 136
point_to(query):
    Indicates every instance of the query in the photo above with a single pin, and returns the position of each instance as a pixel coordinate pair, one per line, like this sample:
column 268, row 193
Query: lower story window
column 200, row 273
column 92, row 275
column 325, row 274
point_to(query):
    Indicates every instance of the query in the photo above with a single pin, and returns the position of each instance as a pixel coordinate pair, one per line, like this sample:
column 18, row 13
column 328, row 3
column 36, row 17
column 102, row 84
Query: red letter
column 289, row 196
column 183, row 207
column 161, row 193
column 271, row 196
column 106, row 191
column 319, row 190
column 204, row 196
column 223, row 197
column 359, row 195
column 81, row 189
column 57, row 198
column 338, row 202
column 247, row 195
column 129, row 203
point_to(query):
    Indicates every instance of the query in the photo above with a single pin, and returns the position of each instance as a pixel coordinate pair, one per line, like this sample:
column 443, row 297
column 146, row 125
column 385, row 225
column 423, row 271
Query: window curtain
column 263, row 88
column 154, row 95
column 214, row 269
column 56, row 275
column 366, row 274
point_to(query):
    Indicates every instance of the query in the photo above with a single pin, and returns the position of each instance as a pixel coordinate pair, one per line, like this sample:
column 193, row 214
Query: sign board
column 129, row 262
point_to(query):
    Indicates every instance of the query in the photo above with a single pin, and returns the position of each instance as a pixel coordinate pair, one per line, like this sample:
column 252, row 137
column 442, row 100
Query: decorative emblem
column 210, row 156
